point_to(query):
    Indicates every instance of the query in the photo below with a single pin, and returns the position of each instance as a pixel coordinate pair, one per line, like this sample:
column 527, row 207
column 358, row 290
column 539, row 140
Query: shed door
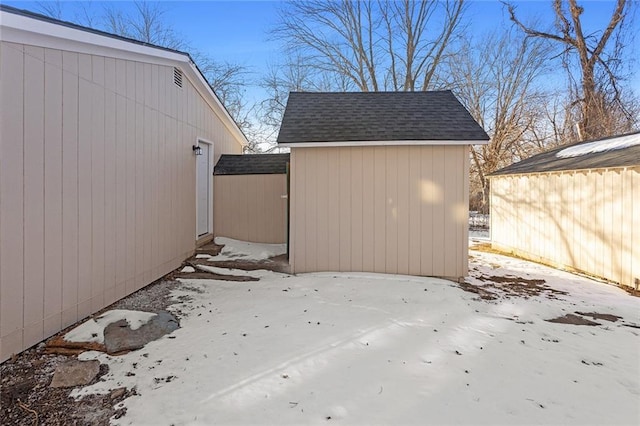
column 203, row 190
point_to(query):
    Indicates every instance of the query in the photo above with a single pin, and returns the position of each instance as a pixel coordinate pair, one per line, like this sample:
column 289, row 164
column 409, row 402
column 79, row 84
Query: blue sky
column 238, row 31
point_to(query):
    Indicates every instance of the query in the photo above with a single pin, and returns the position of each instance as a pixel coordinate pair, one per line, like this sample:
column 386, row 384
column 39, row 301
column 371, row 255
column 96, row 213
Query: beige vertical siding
column 583, row 220
column 97, row 183
column 251, row 207
column 389, row 209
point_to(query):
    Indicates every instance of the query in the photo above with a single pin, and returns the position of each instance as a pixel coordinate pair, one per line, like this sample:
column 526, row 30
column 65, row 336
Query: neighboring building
column 98, row 176
column 379, row 182
column 574, row 207
column 250, row 197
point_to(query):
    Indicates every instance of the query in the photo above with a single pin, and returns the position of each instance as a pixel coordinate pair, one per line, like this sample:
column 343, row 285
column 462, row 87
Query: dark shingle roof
column 377, row 116
column 252, row 164
column 595, row 154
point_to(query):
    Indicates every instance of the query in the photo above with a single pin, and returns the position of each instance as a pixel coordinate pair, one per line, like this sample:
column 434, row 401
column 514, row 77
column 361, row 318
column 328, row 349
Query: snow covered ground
column 381, row 349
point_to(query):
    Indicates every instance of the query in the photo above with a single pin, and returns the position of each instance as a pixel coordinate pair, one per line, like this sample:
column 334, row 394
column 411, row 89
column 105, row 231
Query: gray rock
column 119, row 337
column 117, row 393
column 75, row 373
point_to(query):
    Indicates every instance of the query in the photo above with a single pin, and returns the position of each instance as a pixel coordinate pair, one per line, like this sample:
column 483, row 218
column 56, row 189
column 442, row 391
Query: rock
column 75, row 373
column 57, row 345
column 117, row 393
column 120, row 338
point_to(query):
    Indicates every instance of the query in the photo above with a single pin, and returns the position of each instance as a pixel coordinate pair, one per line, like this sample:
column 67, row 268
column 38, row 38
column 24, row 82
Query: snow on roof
column 609, row 152
column 611, row 144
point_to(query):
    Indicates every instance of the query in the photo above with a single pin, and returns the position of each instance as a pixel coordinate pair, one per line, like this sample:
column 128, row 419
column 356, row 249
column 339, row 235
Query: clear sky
column 238, row 31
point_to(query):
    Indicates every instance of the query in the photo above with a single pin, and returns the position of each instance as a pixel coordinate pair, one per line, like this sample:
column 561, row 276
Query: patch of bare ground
column 274, row 264
column 479, row 290
column 577, row 318
column 212, row 249
column 25, row 395
column 202, row 273
column 27, row 399
column 573, row 319
column 486, row 247
column 599, row 316
column 496, row 286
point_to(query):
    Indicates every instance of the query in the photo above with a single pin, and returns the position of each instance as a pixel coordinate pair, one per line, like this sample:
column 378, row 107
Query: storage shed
column 101, row 192
column 250, row 197
column 574, row 207
column 379, row 182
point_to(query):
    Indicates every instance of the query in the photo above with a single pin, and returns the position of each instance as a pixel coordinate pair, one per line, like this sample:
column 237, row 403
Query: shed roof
column 377, row 118
column 252, row 164
column 614, row 151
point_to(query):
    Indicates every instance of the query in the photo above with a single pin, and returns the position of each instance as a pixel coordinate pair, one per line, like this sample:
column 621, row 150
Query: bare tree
column 52, row 8
column 229, row 81
column 376, row 45
column 147, row 23
column 494, row 77
column 292, row 74
column 597, row 91
column 83, row 12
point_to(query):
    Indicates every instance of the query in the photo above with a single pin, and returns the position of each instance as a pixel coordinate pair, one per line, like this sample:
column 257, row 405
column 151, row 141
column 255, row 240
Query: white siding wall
column 584, row 220
column 97, row 183
column 389, row 209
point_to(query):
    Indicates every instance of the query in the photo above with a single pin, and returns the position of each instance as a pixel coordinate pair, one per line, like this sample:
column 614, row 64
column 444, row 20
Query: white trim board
column 378, row 143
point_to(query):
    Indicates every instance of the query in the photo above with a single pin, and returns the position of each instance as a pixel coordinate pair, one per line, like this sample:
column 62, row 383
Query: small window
column 177, row 77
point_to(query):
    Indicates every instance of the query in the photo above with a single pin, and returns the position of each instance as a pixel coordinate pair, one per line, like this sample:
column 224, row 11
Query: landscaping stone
column 119, row 337
column 75, row 373
column 117, row 393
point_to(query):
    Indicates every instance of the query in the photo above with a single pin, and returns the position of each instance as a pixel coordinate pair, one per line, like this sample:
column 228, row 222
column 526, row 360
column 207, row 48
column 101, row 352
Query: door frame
column 199, row 142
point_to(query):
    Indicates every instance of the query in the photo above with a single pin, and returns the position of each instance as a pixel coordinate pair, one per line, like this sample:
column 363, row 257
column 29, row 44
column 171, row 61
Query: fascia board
column 379, row 143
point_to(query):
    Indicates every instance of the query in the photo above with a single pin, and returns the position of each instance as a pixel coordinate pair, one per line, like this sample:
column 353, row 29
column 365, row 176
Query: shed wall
column 583, row 220
column 388, row 209
column 97, row 183
column 251, row 207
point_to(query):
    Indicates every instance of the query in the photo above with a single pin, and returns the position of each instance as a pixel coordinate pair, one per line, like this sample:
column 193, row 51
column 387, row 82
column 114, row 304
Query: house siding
column 251, row 207
column 97, row 183
column 581, row 220
column 387, row 209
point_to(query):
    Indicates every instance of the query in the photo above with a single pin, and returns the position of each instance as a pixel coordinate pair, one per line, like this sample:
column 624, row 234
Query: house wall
column 389, row 209
column 97, row 183
column 583, row 220
column 251, row 207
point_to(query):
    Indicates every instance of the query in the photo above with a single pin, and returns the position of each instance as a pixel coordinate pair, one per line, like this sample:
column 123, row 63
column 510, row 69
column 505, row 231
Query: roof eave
column 318, row 144
column 562, row 170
